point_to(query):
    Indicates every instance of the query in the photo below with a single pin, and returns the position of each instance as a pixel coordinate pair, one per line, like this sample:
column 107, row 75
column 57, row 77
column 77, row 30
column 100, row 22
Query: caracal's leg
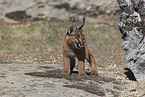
column 72, row 64
column 66, row 64
column 91, row 60
column 82, row 68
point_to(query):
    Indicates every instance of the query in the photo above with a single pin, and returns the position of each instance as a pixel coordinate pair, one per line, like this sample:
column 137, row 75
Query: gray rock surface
column 15, row 83
column 56, row 9
column 132, row 28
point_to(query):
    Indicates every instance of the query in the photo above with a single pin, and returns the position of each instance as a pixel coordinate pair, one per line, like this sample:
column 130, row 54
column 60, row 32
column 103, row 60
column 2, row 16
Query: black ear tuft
column 70, row 30
column 73, row 20
column 73, row 28
column 83, row 19
column 82, row 25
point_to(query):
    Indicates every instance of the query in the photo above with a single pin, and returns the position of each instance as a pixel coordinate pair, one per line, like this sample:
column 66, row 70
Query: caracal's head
column 76, row 34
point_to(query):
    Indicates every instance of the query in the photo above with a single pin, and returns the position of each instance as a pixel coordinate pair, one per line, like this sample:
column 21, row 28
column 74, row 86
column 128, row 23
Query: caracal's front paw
column 66, row 72
column 82, row 75
column 94, row 72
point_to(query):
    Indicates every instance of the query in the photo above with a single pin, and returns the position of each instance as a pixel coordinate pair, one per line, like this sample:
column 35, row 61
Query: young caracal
column 75, row 47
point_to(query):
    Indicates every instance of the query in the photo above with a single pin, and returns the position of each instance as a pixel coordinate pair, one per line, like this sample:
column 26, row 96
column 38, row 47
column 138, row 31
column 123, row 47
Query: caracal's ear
column 73, row 28
column 82, row 25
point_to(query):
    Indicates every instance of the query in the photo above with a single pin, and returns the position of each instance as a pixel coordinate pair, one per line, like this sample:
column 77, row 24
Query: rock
column 95, row 84
column 18, row 15
column 58, row 9
column 132, row 28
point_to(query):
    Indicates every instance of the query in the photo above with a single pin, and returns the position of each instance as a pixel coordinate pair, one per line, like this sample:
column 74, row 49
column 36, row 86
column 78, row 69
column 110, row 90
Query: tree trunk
column 132, row 28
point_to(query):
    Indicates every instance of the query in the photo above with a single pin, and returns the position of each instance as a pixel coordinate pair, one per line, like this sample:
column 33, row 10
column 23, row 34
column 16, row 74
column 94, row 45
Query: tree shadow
column 129, row 74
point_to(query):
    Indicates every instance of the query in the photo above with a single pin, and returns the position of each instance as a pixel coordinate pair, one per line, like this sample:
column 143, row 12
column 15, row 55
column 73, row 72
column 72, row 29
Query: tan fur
column 70, row 51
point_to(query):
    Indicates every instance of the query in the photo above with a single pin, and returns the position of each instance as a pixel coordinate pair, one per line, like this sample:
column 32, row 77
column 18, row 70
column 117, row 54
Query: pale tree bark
column 132, row 28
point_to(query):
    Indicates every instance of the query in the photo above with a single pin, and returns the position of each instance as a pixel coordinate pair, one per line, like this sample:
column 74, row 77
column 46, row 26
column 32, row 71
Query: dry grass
column 25, row 39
